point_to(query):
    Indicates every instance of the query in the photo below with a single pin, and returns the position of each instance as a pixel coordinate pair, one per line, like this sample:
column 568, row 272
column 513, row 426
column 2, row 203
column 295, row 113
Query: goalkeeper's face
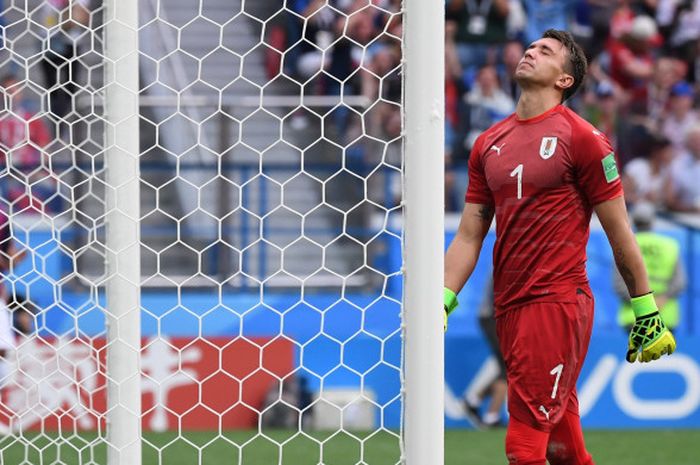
column 543, row 65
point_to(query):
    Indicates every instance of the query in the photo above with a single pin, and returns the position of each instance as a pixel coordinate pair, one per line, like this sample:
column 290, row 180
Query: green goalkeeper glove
column 649, row 332
column 450, row 301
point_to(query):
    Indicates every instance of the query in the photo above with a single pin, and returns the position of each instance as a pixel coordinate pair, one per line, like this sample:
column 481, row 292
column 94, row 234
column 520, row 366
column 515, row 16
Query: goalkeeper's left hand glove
column 450, row 302
column 649, row 338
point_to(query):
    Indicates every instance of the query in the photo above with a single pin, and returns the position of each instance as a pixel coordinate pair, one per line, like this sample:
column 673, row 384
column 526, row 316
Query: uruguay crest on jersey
column 548, row 147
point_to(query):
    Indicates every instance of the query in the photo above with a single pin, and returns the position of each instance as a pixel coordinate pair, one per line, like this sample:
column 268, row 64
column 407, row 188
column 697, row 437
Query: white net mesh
column 270, row 158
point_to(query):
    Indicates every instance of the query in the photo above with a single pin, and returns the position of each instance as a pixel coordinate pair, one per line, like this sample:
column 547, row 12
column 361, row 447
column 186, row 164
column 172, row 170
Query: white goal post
column 122, row 242
column 424, row 235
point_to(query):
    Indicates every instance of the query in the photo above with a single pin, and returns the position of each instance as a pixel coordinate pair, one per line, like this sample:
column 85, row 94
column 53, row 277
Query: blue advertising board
column 354, row 341
column 612, row 392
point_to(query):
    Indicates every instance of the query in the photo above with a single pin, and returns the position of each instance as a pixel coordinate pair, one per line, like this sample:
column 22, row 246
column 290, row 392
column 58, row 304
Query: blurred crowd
column 30, row 129
column 349, row 47
column 641, row 91
column 642, row 88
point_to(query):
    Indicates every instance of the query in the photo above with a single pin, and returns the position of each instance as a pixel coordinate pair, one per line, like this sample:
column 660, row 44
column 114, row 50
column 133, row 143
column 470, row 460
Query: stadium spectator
column 305, row 402
column 516, row 22
column 280, row 408
column 380, row 79
column 481, row 29
column 603, row 112
column 356, row 31
column 545, row 14
column 453, row 80
column 621, row 19
column 664, row 265
column 667, row 72
column 24, row 314
column 681, row 115
column 580, row 25
column 631, row 58
column 682, row 190
column 512, row 52
column 543, row 302
column 597, row 14
column 290, row 406
column 453, row 96
column 487, row 104
column 27, row 186
column 339, row 37
column 634, row 119
column 645, row 178
column 635, row 129
column 680, row 21
column 10, row 256
column 381, row 64
column 66, row 22
column 313, row 54
column 7, row 65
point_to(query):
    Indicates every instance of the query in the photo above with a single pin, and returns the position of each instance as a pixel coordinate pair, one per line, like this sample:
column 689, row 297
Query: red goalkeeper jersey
column 543, row 176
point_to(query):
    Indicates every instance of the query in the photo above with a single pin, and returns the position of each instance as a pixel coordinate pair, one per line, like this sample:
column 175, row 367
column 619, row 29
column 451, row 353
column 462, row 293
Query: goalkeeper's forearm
column 613, row 217
column 463, row 253
column 460, row 260
column 630, row 264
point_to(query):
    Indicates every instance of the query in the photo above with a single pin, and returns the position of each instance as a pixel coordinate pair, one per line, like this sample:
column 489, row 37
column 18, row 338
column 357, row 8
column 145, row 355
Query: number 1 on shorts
column 556, row 371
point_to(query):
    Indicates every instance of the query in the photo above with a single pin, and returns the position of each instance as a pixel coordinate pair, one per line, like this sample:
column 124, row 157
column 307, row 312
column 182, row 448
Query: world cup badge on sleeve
column 548, row 147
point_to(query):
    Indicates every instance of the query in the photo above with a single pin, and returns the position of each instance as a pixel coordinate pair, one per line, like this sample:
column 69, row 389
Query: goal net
column 202, row 231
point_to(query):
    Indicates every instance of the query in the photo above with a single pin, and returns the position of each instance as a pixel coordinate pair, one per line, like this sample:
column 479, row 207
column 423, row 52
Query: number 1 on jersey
column 518, row 171
column 556, row 371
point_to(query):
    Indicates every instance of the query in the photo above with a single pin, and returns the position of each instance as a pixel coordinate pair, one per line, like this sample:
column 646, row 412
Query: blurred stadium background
column 271, row 159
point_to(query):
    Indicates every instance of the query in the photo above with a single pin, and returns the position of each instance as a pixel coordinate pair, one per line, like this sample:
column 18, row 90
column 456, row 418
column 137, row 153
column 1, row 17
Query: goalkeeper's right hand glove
column 649, row 332
column 450, row 302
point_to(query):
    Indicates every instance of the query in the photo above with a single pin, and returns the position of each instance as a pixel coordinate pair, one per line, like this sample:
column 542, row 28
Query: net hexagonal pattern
column 270, row 194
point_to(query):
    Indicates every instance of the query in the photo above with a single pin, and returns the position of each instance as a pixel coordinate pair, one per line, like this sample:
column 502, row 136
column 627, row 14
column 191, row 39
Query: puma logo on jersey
column 545, row 411
column 497, row 148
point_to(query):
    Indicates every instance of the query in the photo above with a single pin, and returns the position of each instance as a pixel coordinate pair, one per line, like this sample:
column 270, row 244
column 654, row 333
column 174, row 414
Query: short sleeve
column 478, row 189
column 595, row 163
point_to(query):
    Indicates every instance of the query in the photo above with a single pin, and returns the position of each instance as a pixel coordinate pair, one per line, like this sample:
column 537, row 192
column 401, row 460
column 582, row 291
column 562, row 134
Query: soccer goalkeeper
column 543, row 171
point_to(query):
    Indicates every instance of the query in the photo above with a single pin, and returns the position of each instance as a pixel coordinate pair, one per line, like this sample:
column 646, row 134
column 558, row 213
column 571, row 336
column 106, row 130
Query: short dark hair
column 577, row 64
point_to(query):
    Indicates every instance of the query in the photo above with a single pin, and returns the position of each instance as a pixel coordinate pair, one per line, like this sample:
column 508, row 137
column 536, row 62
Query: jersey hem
column 557, row 298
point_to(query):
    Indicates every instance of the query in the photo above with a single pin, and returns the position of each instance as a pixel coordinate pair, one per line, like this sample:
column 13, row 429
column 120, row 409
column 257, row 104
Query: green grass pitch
column 667, row 447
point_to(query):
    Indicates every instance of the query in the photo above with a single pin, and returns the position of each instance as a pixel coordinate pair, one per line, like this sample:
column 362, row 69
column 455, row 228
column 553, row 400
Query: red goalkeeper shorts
column 544, row 345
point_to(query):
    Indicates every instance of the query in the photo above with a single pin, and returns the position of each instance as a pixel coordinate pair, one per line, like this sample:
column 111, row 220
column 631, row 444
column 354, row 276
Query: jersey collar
column 539, row 117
